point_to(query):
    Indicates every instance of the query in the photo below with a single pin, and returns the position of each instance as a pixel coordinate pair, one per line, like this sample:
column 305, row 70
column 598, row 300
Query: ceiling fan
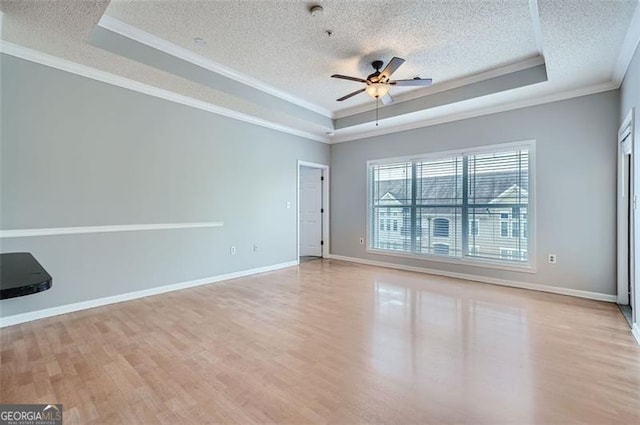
column 378, row 83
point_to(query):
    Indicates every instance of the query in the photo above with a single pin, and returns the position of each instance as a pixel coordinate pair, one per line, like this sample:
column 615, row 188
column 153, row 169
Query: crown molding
column 35, row 56
column 45, row 59
column 126, row 30
column 536, row 26
column 448, row 85
column 629, row 46
column 630, row 43
column 555, row 97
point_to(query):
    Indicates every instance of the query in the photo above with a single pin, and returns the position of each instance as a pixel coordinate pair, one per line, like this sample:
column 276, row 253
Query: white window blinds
column 460, row 205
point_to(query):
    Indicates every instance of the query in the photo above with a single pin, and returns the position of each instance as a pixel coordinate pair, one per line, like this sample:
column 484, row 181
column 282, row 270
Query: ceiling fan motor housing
column 373, row 78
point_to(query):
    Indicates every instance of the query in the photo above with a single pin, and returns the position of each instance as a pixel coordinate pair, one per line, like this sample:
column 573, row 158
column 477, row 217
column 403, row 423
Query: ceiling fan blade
column 386, row 99
column 413, row 82
column 391, row 68
column 346, row 77
column 351, row 95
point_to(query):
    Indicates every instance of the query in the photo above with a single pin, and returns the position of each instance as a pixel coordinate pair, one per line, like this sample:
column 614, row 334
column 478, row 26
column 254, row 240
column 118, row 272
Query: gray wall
column 630, row 97
column 77, row 152
column 575, row 177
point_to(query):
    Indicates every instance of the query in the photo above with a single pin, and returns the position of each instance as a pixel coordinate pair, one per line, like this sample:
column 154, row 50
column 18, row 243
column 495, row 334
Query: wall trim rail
column 55, row 231
column 98, row 302
column 502, row 282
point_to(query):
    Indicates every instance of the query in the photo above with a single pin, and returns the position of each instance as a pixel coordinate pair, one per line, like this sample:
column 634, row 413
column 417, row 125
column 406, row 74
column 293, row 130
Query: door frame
column 325, row 205
column 626, row 223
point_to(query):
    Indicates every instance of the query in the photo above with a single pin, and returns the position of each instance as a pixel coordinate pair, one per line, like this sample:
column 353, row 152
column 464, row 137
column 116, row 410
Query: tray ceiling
column 283, row 45
column 284, row 51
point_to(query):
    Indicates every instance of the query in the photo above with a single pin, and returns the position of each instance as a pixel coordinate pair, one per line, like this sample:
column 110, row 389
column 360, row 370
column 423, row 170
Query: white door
column 310, row 211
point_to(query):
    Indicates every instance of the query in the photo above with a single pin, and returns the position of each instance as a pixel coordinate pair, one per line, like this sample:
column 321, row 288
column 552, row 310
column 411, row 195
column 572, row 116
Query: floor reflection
column 464, row 342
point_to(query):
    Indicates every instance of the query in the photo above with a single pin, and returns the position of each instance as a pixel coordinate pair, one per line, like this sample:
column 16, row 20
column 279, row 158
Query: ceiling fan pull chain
column 377, row 103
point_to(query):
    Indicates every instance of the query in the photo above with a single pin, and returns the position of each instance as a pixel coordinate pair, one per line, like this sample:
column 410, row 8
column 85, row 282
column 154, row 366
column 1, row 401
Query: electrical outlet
column 552, row 258
column 255, row 248
column 361, row 241
column 288, row 204
column 233, row 250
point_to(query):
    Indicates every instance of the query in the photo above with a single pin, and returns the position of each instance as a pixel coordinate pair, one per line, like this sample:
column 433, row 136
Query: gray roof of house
column 483, row 188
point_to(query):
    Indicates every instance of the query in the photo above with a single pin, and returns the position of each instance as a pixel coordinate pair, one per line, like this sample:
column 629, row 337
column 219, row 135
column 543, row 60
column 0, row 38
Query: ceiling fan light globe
column 377, row 90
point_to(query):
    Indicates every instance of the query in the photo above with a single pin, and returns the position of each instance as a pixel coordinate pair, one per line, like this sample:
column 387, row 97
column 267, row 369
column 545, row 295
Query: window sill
column 525, row 268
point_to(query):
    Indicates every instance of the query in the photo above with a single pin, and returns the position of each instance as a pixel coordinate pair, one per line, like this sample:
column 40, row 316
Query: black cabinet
column 21, row 274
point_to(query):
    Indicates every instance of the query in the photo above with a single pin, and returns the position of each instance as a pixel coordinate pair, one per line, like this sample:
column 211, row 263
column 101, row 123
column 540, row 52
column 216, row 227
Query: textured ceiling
column 280, row 44
column 283, row 45
column 582, row 38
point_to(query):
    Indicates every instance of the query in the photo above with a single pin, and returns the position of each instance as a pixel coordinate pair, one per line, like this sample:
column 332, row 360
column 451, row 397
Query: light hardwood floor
column 331, row 342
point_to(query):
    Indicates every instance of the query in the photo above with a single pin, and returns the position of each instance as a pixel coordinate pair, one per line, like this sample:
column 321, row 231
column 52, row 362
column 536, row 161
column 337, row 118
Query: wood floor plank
column 331, row 342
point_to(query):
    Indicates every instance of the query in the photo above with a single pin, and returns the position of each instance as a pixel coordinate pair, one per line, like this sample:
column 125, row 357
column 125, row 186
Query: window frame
column 528, row 267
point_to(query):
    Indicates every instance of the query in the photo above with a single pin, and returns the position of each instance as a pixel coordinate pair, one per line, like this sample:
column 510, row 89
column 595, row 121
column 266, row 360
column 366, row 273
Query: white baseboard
column 83, row 305
column 635, row 330
column 514, row 284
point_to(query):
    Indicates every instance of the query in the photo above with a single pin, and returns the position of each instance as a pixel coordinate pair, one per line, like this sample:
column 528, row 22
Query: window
column 441, row 248
column 475, row 227
column 515, row 229
column 512, row 254
column 504, row 225
column 441, row 227
column 478, row 198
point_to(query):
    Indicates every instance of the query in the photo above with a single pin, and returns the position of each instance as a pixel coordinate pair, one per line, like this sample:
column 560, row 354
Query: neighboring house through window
column 513, row 254
column 452, row 203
